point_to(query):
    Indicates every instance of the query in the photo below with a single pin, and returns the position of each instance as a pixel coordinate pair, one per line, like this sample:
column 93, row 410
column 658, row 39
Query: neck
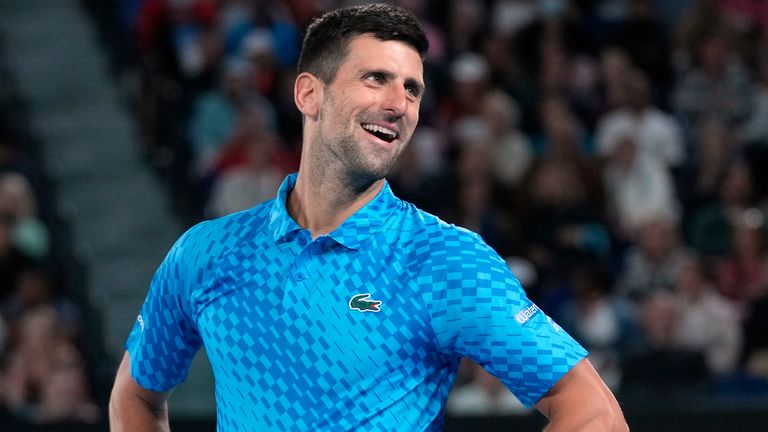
column 320, row 204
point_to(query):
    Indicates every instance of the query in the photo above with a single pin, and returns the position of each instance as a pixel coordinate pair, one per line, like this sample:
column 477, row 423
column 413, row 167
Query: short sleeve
column 479, row 309
column 164, row 339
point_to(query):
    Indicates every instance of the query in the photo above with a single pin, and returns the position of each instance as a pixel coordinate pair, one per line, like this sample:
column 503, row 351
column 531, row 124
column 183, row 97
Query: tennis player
column 336, row 306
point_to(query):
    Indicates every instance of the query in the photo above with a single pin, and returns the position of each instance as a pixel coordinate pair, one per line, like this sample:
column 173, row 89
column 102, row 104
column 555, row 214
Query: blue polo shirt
column 358, row 330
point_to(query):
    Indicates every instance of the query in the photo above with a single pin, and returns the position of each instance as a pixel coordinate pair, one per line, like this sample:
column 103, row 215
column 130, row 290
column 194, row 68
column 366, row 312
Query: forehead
column 368, row 52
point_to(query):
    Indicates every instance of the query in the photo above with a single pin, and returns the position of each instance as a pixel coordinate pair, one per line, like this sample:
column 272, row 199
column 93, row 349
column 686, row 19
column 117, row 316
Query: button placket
column 300, row 268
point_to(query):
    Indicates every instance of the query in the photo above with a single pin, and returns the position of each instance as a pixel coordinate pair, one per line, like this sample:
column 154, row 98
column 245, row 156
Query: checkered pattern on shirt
column 272, row 308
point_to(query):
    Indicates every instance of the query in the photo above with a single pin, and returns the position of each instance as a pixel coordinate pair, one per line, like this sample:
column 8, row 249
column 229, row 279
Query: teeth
column 379, row 129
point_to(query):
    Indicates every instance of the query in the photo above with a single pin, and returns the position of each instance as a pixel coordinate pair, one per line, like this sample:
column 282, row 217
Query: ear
column 307, row 93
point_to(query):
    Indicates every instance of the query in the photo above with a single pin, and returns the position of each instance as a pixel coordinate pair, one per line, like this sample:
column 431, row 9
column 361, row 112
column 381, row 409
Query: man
column 336, row 306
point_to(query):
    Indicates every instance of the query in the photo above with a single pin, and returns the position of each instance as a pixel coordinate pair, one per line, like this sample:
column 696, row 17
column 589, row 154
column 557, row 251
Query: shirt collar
column 351, row 233
column 281, row 224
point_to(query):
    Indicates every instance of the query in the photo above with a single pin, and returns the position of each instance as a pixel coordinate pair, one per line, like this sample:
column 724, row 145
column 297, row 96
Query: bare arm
column 134, row 408
column 580, row 401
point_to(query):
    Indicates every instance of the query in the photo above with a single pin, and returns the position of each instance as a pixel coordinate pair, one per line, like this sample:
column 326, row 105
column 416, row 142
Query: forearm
column 596, row 414
column 581, row 402
column 595, row 422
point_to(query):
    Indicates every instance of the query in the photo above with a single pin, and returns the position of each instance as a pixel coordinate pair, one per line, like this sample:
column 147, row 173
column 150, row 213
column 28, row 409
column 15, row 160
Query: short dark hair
column 327, row 38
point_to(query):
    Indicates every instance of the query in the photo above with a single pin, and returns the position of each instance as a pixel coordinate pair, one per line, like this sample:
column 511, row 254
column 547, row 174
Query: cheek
column 412, row 115
column 413, row 121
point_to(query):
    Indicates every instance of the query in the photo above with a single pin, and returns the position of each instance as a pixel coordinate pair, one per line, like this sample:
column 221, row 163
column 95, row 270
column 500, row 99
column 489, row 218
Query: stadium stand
column 615, row 151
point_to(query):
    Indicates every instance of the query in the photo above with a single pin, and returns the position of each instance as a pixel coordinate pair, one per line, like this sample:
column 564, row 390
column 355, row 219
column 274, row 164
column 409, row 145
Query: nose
column 396, row 100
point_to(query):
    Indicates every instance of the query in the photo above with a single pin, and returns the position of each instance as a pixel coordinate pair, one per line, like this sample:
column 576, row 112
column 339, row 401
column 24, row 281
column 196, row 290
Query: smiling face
column 364, row 118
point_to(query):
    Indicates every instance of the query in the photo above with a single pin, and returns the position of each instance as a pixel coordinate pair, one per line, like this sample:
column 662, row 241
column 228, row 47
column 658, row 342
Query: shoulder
column 419, row 227
column 224, row 232
column 659, row 117
column 432, row 241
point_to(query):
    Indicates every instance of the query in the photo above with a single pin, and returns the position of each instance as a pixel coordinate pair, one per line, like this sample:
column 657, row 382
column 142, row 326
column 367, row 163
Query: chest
column 321, row 313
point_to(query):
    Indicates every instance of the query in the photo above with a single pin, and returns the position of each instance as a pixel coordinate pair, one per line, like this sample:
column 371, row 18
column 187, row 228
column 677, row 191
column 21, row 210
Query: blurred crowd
column 43, row 372
column 613, row 151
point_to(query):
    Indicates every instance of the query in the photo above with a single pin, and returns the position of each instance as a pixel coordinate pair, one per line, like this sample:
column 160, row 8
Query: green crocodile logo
column 361, row 303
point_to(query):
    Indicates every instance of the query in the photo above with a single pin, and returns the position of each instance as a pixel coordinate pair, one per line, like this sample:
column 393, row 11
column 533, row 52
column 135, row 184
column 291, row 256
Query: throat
column 322, row 206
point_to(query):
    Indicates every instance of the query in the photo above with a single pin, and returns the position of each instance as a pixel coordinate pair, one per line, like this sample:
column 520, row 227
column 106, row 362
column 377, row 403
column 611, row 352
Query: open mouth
column 382, row 133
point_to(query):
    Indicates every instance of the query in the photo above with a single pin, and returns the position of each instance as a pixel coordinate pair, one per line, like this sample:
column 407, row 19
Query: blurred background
column 615, row 152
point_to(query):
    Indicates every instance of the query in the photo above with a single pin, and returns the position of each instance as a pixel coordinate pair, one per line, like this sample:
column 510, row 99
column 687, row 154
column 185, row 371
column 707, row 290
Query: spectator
column 258, row 50
column 436, row 36
column 160, row 92
column 599, row 320
column 255, row 120
column 18, row 204
column 41, row 356
column 750, row 14
column 271, row 21
column 711, row 225
column 247, row 173
column 511, row 16
column 646, row 40
column 689, row 333
column 507, row 75
column 695, row 21
column 511, row 153
column 756, row 129
column 716, row 86
column 654, row 261
column 563, row 135
column 565, row 138
column 614, row 65
column 478, row 213
column 564, row 229
column 743, row 272
column 658, row 134
column 483, row 395
column 34, row 288
column 755, row 355
column 469, row 84
column 12, row 260
column 39, row 360
column 658, row 363
column 638, row 187
column 65, row 397
column 476, row 206
column 714, row 150
column 707, row 322
column 214, row 114
column 466, row 20
column 552, row 38
column 197, row 41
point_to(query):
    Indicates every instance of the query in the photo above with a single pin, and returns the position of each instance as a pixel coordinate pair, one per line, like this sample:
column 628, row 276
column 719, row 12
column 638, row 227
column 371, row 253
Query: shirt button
column 300, row 276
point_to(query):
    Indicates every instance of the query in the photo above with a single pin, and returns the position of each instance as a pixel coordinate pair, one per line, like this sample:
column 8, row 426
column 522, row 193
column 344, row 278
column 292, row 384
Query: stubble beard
column 343, row 158
column 361, row 170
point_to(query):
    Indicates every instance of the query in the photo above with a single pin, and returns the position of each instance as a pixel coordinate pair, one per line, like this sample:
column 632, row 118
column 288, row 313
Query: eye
column 374, row 77
column 413, row 90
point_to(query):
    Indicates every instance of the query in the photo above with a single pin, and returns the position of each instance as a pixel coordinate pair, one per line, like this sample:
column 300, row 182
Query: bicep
column 480, row 310
column 129, row 396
